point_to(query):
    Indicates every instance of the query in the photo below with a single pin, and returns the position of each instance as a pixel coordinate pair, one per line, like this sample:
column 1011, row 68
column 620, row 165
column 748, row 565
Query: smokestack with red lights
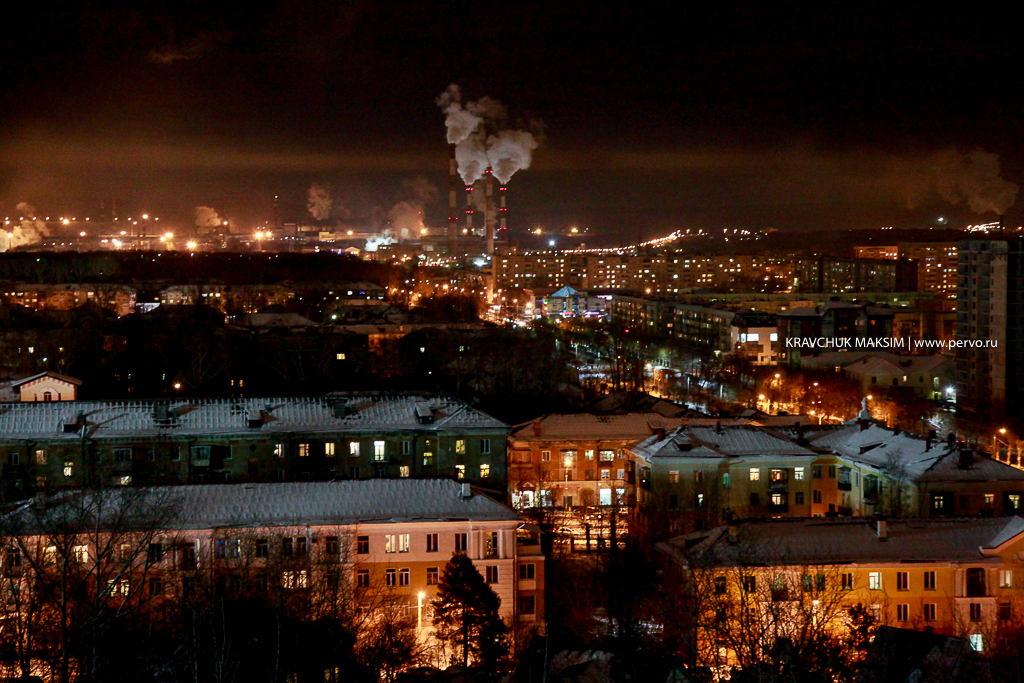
column 453, row 208
column 501, row 212
column 469, row 209
column 489, row 218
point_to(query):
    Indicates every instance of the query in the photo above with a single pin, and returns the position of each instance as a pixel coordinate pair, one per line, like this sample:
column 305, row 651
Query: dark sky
column 657, row 115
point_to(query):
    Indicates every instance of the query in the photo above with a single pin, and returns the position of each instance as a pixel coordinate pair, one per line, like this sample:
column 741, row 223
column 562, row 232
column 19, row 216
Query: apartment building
column 377, row 542
column 832, row 320
column 66, row 444
column 698, row 475
column 951, row 576
column 842, row 275
column 990, row 313
column 936, row 263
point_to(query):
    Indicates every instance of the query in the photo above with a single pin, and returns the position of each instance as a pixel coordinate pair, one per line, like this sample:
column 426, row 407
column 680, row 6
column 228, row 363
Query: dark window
column 363, row 578
column 461, row 543
column 300, row 545
column 755, row 499
column 431, row 543
column 720, row 585
column 363, row 545
column 798, row 498
column 491, row 574
column 527, row 572
column 262, row 547
column 287, row 549
column 432, row 576
column 331, row 547
column 155, row 553
column 527, row 604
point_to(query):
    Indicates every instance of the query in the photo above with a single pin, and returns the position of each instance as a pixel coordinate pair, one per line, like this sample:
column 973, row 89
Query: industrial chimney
column 453, row 210
column 469, row 209
column 501, row 212
column 489, row 217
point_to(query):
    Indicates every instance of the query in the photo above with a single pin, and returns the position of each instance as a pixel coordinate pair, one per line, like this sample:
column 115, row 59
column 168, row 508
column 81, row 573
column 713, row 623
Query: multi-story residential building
column 843, row 275
column 756, row 335
column 375, row 542
column 697, row 476
column 580, row 464
column 990, row 327
column 71, row 443
column 835, row 320
column 931, row 377
column 936, row 263
column 951, row 576
column 706, row 325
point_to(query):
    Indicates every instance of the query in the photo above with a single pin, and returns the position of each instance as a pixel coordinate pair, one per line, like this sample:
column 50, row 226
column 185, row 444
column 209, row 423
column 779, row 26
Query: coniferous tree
column 466, row 615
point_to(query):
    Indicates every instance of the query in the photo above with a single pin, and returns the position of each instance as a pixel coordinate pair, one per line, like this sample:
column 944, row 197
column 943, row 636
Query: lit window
column 485, row 471
column 69, row 468
column 303, row 450
column 755, row 474
column 460, row 446
column 460, row 472
column 403, row 471
column 673, row 476
column 977, row 642
column 428, row 459
column 329, row 449
column 875, row 581
column 40, row 457
column 353, row 449
column 378, row 450
column 279, row 450
column 1006, row 578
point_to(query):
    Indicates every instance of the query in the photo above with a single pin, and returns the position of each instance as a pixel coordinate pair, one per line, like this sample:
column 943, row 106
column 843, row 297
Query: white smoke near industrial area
column 471, row 157
column 29, row 229
column 207, row 218
column 510, row 151
column 406, row 216
column 318, row 201
column 974, row 178
column 460, row 121
column 955, row 177
column 482, row 138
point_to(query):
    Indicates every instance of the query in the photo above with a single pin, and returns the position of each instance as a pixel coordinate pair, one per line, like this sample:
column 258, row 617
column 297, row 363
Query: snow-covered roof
column 846, row 541
column 54, row 375
column 225, row 417
column 372, row 501
column 590, row 427
column 704, row 442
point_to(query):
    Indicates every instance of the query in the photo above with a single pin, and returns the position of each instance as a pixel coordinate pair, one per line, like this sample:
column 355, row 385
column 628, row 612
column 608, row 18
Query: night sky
column 655, row 115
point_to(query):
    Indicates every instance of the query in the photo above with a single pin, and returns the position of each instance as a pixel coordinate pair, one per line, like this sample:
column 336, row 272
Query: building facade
column 46, row 446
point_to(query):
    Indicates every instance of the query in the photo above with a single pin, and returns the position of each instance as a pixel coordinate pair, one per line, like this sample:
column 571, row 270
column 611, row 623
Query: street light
column 419, row 612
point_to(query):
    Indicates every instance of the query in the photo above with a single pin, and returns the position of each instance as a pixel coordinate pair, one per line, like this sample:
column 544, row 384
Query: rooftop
column 216, row 417
column 374, row 501
column 845, row 541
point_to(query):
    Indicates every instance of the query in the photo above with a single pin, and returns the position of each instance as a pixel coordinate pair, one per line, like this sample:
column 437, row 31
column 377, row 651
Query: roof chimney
column 466, row 491
column 660, row 431
column 882, row 528
column 966, row 459
column 800, row 433
column 536, row 428
column 734, row 532
column 896, row 429
column 718, row 427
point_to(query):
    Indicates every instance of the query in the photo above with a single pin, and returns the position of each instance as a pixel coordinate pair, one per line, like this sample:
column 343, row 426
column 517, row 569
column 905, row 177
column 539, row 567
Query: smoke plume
column 510, row 151
column 471, row 157
column 460, row 121
column 482, row 138
column 318, row 201
column 406, row 219
column 29, row 231
column 956, row 177
column 206, row 217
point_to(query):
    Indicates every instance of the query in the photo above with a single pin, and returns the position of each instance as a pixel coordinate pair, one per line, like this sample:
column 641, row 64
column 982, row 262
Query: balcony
column 778, row 485
column 778, row 508
column 845, row 486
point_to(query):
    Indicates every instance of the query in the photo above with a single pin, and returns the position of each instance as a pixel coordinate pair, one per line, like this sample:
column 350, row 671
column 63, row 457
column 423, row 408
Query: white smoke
column 478, row 129
column 30, row 230
column 460, row 121
column 406, row 220
column 471, row 157
column 376, row 241
column 975, row 178
column 206, row 217
column 319, row 201
column 956, row 177
column 510, row 151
